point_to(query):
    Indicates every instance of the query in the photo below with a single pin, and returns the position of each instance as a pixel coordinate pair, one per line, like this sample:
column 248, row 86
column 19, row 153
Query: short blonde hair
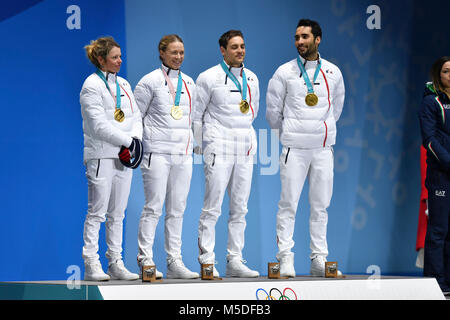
column 166, row 40
column 100, row 48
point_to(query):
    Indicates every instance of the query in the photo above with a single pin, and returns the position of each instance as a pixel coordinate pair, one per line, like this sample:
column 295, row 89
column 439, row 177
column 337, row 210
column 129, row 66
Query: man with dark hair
column 304, row 100
column 316, row 30
column 226, row 104
column 223, row 40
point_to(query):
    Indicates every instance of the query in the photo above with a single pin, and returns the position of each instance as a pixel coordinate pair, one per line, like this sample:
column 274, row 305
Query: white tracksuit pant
column 295, row 166
column 108, row 190
column 166, row 179
column 232, row 173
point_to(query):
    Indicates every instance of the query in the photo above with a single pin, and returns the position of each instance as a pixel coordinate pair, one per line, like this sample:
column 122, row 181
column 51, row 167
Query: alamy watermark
column 74, row 279
column 374, row 20
column 374, row 280
column 266, row 153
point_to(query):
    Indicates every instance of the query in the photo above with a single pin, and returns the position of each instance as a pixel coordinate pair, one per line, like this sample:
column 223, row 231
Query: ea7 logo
column 440, row 193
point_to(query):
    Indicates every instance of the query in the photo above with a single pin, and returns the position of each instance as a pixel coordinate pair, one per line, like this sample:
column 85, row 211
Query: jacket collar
column 237, row 71
column 431, row 90
column 172, row 73
column 303, row 60
column 110, row 77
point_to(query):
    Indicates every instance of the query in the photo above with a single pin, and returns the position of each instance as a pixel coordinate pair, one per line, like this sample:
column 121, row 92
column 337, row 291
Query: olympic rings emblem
column 276, row 296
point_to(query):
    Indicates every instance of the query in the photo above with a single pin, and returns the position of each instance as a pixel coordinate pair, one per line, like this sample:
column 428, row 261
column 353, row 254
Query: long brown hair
column 435, row 72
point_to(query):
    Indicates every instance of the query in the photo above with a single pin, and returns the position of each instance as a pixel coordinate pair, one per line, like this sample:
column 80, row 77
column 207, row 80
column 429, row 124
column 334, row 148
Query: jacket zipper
column 98, row 168
column 287, row 155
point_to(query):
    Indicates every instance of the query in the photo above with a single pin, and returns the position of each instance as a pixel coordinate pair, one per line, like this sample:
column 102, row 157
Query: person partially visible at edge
column 435, row 129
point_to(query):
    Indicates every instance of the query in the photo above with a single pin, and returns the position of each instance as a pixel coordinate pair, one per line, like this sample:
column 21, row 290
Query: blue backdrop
column 374, row 211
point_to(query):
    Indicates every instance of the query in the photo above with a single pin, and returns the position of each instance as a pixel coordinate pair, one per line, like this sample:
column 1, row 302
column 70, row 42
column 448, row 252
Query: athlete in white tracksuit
column 109, row 180
column 228, row 143
column 307, row 134
column 167, row 163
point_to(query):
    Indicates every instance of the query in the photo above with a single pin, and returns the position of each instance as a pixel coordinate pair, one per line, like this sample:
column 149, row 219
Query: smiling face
column 112, row 62
column 173, row 56
column 234, row 53
column 307, row 46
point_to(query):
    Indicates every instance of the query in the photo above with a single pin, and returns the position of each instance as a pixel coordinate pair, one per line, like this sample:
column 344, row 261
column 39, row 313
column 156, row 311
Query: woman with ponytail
column 112, row 128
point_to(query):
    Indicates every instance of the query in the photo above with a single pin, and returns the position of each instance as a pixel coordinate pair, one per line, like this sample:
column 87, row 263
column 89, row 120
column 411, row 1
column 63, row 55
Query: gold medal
column 244, row 106
column 311, row 99
column 176, row 112
column 119, row 115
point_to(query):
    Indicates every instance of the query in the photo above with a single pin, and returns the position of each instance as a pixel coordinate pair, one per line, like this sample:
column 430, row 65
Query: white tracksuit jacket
column 104, row 136
column 167, row 163
column 307, row 134
column 108, row 180
column 225, row 129
column 302, row 126
column 162, row 133
column 229, row 137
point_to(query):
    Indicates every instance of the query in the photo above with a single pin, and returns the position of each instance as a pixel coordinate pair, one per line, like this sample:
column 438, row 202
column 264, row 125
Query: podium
column 353, row 287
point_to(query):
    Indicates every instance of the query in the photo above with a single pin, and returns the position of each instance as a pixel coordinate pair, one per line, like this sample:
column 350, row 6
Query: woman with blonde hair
column 112, row 128
column 164, row 97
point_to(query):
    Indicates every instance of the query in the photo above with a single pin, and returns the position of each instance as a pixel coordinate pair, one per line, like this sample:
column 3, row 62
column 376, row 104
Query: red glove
column 135, row 151
column 125, row 155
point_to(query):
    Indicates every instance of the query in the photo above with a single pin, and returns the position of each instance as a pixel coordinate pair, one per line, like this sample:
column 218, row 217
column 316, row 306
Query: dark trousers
column 437, row 240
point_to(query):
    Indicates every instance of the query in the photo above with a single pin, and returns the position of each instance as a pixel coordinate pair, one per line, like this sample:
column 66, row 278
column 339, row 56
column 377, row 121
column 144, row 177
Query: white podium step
column 300, row 288
column 352, row 287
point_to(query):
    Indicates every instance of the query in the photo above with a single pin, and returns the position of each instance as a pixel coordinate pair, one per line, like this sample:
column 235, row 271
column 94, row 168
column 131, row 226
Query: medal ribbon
column 243, row 90
column 102, row 76
column 176, row 95
column 305, row 75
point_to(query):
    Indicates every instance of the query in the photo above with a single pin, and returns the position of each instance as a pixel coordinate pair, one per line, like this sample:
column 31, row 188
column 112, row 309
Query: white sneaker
column 158, row 275
column 318, row 267
column 215, row 272
column 237, row 268
column 287, row 267
column 117, row 271
column 93, row 272
column 177, row 270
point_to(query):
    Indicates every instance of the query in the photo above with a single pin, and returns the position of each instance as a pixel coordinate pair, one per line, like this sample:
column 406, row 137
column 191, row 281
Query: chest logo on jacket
column 440, row 193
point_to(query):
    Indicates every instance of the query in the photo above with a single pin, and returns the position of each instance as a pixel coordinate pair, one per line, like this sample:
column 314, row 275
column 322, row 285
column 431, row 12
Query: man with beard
column 304, row 100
